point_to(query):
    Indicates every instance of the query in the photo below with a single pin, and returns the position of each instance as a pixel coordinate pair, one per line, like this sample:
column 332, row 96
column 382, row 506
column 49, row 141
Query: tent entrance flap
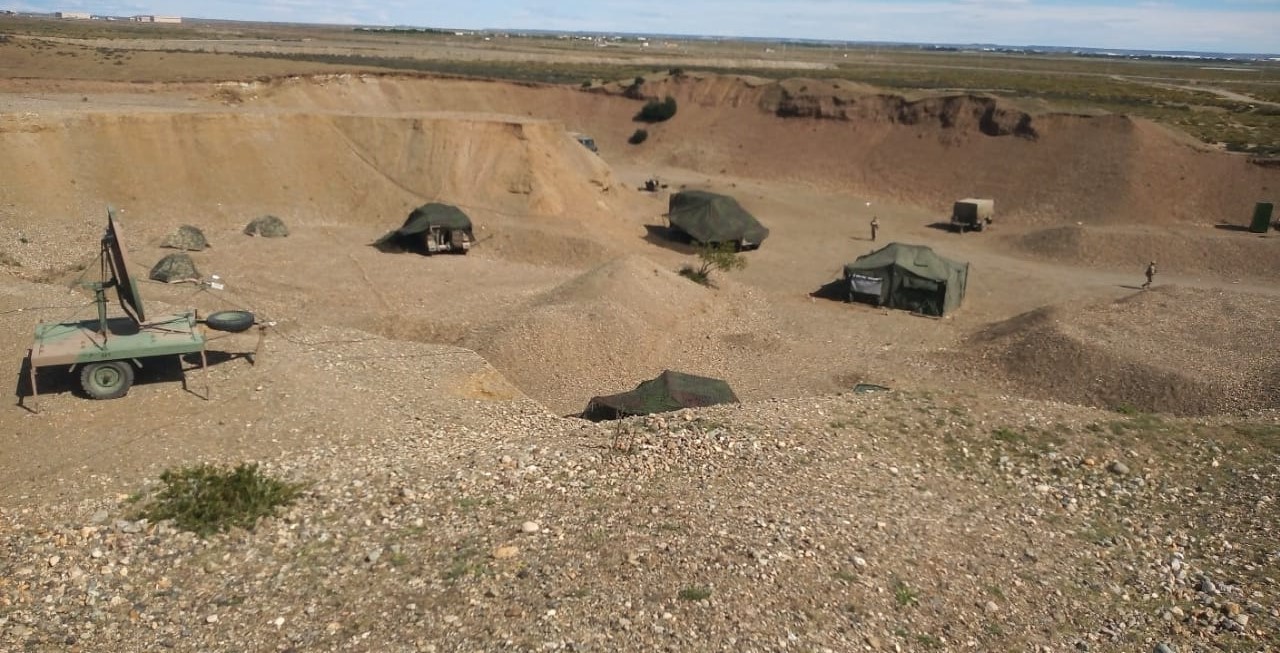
column 866, row 285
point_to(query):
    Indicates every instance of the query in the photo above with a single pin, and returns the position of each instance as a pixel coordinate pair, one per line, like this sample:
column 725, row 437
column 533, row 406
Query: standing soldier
column 1151, row 274
column 875, row 226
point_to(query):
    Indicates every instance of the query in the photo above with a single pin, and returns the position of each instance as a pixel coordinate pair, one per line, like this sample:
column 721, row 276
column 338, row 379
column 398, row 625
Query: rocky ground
column 887, row 521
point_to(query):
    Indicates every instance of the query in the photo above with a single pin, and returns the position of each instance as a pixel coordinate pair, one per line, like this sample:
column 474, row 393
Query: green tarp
column 908, row 277
column 174, row 268
column 422, row 219
column 268, row 226
column 711, row 218
column 186, row 238
column 669, row 391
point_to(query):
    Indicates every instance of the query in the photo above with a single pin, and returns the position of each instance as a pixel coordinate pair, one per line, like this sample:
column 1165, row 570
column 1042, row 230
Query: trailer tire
column 107, row 380
column 230, row 321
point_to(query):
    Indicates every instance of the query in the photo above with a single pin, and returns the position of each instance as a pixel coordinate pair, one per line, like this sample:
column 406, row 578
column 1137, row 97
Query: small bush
column 638, row 136
column 904, row 595
column 723, row 256
column 655, row 111
column 586, row 83
column 633, row 91
column 695, row 593
column 700, row 276
column 206, row 499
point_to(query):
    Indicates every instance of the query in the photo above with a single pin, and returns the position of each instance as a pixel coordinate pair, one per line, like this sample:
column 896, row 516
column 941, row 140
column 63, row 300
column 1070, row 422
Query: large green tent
column 442, row 219
column 908, row 277
column 669, row 391
column 711, row 218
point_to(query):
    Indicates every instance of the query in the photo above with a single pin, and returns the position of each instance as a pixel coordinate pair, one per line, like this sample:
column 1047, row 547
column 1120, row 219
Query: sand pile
column 218, row 170
column 609, row 328
column 1222, row 252
column 1178, row 350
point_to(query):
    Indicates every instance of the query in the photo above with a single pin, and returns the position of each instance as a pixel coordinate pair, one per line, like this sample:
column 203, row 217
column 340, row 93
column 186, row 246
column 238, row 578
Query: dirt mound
column 1228, row 253
column 1149, row 351
column 614, row 325
column 308, row 168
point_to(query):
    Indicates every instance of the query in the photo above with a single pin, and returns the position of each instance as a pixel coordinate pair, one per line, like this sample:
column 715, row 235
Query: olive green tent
column 711, row 218
column 268, row 226
column 186, row 238
column 908, row 277
column 175, row 268
column 669, row 391
column 431, row 228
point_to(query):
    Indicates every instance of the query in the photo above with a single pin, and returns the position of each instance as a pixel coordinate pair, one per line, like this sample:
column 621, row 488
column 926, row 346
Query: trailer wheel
column 108, row 380
column 230, row 321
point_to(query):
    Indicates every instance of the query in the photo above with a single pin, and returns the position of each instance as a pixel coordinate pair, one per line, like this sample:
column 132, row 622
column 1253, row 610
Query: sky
column 1248, row 26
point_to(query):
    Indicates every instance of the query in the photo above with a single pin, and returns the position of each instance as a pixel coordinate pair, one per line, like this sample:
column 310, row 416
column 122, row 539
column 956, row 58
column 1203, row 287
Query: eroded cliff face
column 964, row 112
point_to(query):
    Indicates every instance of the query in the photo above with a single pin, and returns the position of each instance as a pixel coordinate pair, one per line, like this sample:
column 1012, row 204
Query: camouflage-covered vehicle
column 433, row 228
column 713, row 219
column 107, row 351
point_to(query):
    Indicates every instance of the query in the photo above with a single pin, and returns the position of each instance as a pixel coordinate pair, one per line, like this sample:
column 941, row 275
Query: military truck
column 972, row 214
column 432, row 228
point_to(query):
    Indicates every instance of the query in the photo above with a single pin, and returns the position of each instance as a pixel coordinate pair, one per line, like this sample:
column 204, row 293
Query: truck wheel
column 109, row 380
column 230, row 321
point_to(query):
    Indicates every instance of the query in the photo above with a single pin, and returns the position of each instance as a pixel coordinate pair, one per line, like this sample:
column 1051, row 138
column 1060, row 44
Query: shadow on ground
column 61, row 379
column 836, row 291
column 1231, row 227
column 669, row 238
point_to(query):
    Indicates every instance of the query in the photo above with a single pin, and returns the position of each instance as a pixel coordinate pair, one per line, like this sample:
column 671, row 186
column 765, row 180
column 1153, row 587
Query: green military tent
column 430, row 228
column 267, row 226
column 669, row 391
column 175, row 268
column 908, row 277
column 186, row 238
column 711, row 218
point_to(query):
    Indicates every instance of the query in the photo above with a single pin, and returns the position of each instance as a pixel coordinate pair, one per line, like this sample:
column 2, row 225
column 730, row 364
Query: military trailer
column 972, row 214
column 107, row 351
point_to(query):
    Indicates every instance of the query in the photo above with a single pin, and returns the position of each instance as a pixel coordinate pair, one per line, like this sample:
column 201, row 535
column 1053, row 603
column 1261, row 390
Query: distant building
column 77, row 15
column 157, row 19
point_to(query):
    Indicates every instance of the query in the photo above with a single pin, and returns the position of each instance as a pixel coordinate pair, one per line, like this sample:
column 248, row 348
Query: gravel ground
column 900, row 521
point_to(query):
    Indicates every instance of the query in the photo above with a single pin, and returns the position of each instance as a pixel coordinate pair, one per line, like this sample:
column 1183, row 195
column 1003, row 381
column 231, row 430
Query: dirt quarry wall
column 216, row 168
column 926, row 150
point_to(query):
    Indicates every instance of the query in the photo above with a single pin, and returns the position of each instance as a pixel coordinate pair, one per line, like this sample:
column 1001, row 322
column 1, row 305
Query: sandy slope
column 566, row 292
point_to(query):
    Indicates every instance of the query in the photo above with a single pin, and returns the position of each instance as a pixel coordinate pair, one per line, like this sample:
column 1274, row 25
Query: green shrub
column 655, row 111
column 695, row 274
column 695, row 593
column 206, row 499
column 633, row 91
column 723, row 257
column 638, row 136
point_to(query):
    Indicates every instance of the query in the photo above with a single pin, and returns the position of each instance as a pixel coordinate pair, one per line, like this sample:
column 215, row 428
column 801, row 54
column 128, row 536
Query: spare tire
column 231, row 321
